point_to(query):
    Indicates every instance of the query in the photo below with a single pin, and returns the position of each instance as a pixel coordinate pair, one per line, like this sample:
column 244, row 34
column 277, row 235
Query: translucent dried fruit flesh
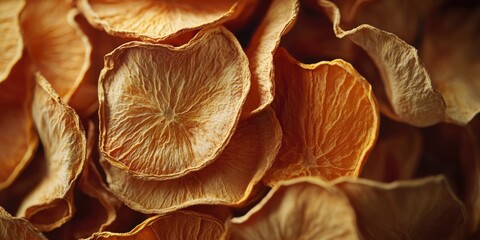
column 17, row 228
column 167, row 111
column 177, row 225
column 228, row 181
column 303, row 208
column 418, row 209
column 277, row 21
column 151, row 20
column 18, row 140
column 57, row 46
column 49, row 204
column 11, row 44
column 329, row 118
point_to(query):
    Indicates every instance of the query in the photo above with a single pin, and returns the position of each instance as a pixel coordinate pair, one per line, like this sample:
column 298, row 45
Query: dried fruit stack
column 240, row 119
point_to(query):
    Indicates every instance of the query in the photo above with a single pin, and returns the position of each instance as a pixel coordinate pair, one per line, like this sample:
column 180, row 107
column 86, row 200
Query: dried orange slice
column 167, row 111
column 49, row 204
column 17, row 228
column 229, row 180
column 177, row 225
column 329, row 117
column 278, row 20
column 303, row 208
column 59, row 49
column 19, row 139
column 418, row 209
column 11, row 44
column 155, row 21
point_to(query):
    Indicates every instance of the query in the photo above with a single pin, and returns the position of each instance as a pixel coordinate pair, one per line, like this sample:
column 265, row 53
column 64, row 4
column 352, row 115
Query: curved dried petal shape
column 11, row 43
column 167, row 111
column 329, row 118
column 177, row 225
column 17, row 228
column 280, row 17
column 229, row 180
column 57, row 46
column 303, row 208
column 50, row 204
column 408, row 86
column 419, row 209
column 450, row 51
column 155, row 21
column 396, row 153
column 18, row 140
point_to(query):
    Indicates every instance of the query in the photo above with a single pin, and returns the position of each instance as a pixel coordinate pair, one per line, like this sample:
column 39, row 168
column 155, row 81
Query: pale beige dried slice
column 166, row 111
column 329, row 117
column 18, row 140
column 409, row 89
column 57, row 46
column 17, row 228
column 177, row 225
column 154, row 21
column 396, row 153
column 11, row 43
column 229, row 180
column 418, row 209
column 303, row 208
column 278, row 20
column 450, row 52
column 50, row 203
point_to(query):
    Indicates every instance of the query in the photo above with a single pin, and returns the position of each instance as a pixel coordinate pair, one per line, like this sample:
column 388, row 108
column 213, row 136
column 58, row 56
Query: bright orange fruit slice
column 329, row 118
column 167, row 111
column 11, row 44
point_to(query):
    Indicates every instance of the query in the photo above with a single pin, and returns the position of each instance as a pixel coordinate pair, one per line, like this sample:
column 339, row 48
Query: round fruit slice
column 303, row 208
column 152, row 20
column 167, row 111
column 11, row 43
column 17, row 228
column 329, row 118
column 229, row 180
column 50, row 203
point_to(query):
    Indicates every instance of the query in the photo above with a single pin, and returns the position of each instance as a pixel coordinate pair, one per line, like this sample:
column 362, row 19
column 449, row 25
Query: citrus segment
column 329, row 118
column 17, row 228
column 167, row 111
column 304, row 208
column 49, row 204
column 229, row 180
column 11, row 44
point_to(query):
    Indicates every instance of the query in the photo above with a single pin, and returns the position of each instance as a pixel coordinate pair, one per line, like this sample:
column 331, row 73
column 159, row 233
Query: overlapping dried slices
column 11, row 44
column 277, row 21
column 329, row 117
column 17, row 228
column 418, row 209
column 229, row 180
column 57, row 46
column 19, row 139
column 49, row 204
column 155, row 21
column 167, row 111
column 303, row 208
column 177, row 225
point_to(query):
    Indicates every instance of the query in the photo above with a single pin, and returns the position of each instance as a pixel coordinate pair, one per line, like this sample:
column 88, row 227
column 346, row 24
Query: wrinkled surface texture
column 12, row 227
column 11, row 44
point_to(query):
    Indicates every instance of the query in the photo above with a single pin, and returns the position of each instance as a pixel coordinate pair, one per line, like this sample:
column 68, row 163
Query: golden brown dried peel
column 11, row 43
column 303, row 208
column 17, row 228
column 278, row 20
column 412, row 97
column 329, row 117
column 167, row 111
column 151, row 20
column 418, row 209
column 229, row 180
column 59, row 49
column 18, row 140
column 177, row 225
column 50, row 204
